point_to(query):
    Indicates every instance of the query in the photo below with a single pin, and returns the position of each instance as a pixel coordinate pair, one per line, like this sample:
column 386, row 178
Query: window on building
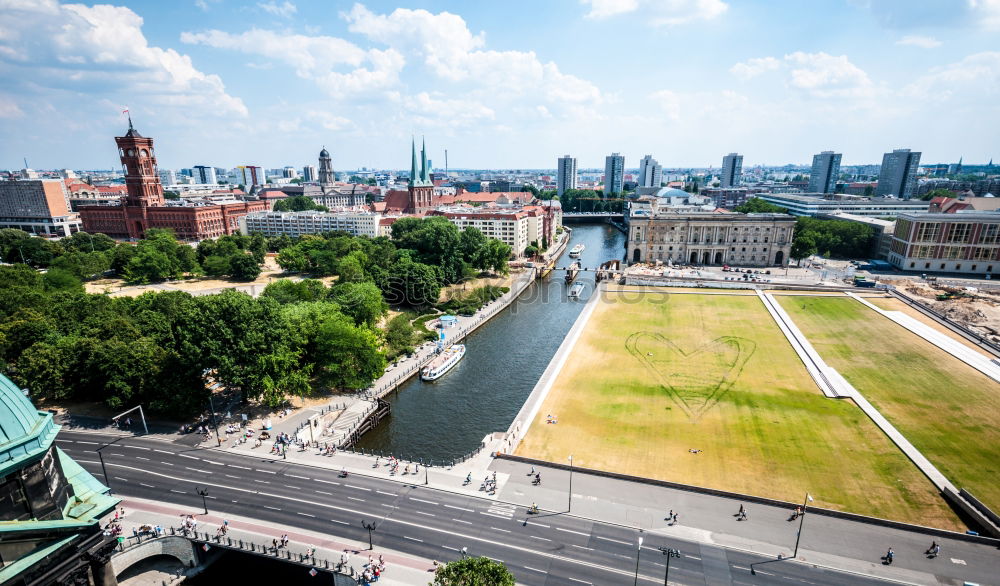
column 942, row 266
column 911, row 264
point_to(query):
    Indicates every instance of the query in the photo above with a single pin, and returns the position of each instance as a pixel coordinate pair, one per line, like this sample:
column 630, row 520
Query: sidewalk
column 401, row 569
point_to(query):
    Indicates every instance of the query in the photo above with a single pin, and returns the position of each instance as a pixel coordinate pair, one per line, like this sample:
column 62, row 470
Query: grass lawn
column 657, row 376
column 893, row 304
column 944, row 407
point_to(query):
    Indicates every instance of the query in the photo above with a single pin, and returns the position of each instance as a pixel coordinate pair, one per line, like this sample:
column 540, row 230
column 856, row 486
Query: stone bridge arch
column 176, row 547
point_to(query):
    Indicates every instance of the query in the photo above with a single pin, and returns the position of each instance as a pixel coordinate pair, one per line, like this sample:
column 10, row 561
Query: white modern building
column 167, row 177
column 732, row 170
column 650, row 172
column 309, row 173
column 614, row 173
column 811, row 205
column 249, row 176
column 204, row 175
column 311, row 222
column 565, row 174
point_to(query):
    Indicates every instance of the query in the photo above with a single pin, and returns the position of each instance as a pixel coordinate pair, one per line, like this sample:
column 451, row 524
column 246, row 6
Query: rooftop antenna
column 25, row 162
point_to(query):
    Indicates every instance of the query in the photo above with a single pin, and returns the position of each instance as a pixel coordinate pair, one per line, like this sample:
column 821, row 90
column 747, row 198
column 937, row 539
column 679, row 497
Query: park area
column 703, row 389
column 944, row 407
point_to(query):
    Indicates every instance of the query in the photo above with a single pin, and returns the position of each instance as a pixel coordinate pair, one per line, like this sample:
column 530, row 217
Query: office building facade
column 968, row 242
column 38, row 206
column 898, row 175
column 204, row 175
column 614, row 173
column 298, row 223
column 824, row 173
column 309, row 173
column 565, row 174
column 250, row 176
column 650, row 172
column 732, row 170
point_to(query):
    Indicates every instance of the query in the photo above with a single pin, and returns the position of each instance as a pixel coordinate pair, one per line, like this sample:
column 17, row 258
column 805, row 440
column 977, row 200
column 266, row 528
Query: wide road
column 544, row 549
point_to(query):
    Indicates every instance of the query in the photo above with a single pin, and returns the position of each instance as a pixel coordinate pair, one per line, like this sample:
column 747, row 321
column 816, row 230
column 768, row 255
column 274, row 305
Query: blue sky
column 499, row 84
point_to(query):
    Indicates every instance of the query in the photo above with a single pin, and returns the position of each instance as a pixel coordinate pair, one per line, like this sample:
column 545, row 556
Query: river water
column 505, row 357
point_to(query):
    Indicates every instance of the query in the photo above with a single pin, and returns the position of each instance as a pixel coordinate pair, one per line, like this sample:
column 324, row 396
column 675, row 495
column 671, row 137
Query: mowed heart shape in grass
column 696, row 379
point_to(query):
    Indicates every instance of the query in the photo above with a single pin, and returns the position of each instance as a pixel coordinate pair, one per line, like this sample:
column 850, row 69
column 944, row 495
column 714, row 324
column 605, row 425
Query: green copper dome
column 25, row 432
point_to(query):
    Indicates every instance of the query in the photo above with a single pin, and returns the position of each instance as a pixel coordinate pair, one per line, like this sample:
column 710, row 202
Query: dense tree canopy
column 831, row 238
column 480, row 571
column 939, row 192
column 298, row 203
column 756, row 205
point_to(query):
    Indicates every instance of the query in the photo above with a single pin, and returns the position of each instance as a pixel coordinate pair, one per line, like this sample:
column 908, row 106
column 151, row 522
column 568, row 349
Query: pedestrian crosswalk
column 501, row 510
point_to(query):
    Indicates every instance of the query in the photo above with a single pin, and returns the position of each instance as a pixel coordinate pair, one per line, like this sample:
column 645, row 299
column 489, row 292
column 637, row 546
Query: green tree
column 244, row 267
column 399, row 335
column 298, row 203
column 147, row 265
column 216, row 265
column 362, row 301
column 62, row 280
column 479, row 571
column 495, row 255
column 756, row 205
column 293, row 259
column 803, row 247
column 286, row 291
column 411, row 283
column 939, row 192
column 349, row 355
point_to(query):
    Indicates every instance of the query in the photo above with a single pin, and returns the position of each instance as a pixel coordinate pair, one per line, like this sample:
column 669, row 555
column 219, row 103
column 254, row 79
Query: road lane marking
column 356, row 499
column 613, row 540
column 571, row 531
column 581, row 547
column 89, row 443
column 446, row 531
column 534, row 569
column 422, row 501
column 188, row 457
column 167, row 463
column 272, row 508
column 461, row 521
column 357, row 487
column 386, row 493
column 413, row 538
column 461, row 508
column 231, row 476
column 147, row 485
column 327, row 482
column 178, row 491
column 141, row 458
column 137, row 448
column 197, row 470
column 499, row 529
column 326, row 493
column 427, row 514
column 216, row 463
column 240, row 467
column 292, row 487
column 120, row 478
column 341, row 522
column 162, row 451
column 451, row 548
column 297, row 476
column 387, row 505
column 208, row 496
column 537, row 537
column 264, row 471
column 581, row 581
column 261, row 481
column 305, row 514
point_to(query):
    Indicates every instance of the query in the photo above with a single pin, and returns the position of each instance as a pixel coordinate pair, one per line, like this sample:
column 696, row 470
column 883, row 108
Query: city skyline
column 233, row 83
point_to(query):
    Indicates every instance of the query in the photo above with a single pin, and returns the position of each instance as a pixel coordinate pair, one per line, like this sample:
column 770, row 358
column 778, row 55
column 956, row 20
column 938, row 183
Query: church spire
column 424, row 173
column 413, row 165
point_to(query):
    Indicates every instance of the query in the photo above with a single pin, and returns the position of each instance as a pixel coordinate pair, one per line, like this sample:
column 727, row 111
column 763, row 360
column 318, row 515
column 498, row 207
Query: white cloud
column 919, row 41
column 316, row 58
column 754, row 67
column 9, row 108
column 817, row 74
column 87, row 49
column 986, row 12
column 454, row 111
column 452, row 52
column 973, row 80
column 658, row 12
column 285, row 9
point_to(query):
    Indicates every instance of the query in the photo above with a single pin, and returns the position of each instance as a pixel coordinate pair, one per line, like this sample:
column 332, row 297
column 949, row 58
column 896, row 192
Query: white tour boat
column 576, row 250
column 443, row 362
column 574, row 293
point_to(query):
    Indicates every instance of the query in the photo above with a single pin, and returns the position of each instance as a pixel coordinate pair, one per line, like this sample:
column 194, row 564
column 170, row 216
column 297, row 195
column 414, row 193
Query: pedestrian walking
column 888, row 557
column 675, row 518
column 740, row 513
column 670, row 515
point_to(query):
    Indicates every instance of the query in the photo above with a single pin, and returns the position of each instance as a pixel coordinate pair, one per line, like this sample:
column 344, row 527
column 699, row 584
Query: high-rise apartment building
column 898, row 176
column 732, row 169
column 309, row 173
column 650, row 172
column 167, row 177
column 566, row 174
column 825, row 171
column 289, row 173
column 204, row 175
column 614, row 173
column 249, row 175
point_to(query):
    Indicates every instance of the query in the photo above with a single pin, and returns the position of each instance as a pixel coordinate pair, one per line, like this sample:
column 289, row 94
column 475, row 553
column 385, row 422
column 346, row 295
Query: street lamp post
column 204, row 494
column 569, row 505
column 638, row 550
column 105, row 470
column 370, row 527
column 215, row 422
column 802, row 519
column 670, row 553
